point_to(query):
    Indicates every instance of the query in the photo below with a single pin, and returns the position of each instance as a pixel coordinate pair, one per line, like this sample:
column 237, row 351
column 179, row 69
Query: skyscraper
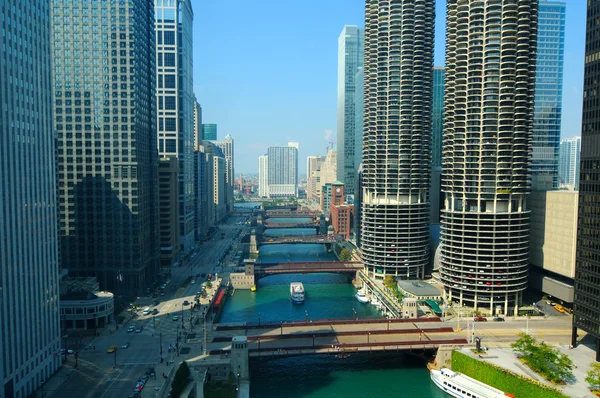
column 283, row 171
column 437, row 116
column 197, row 125
column 29, row 263
column 548, row 95
column 568, row 168
column 105, row 108
column 586, row 314
column 263, row 176
column 350, row 61
column 396, row 135
column 488, row 123
column 359, row 105
column 209, row 132
column 176, row 101
column 227, row 148
column 313, row 165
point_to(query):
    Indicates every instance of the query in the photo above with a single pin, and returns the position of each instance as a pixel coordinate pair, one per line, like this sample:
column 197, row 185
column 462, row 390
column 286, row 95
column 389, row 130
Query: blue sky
column 266, row 72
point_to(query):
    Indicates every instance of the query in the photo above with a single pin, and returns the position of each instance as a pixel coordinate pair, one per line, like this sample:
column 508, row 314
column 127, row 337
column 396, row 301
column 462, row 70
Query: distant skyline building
column 569, row 163
column 105, row 121
column 548, row 95
column 359, row 104
column 350, row 61
column 486, row 152
column 437, row 116
column 326, row 173
column 29, row 260
column 313, row 165
column 263, row 176
column 217, row 174
column 209, row 132
column 283, row 171
column 396, row 137
column 226, row 146
column 202, row 191
column 586, row 314
column 176, row 104
column 197, row 125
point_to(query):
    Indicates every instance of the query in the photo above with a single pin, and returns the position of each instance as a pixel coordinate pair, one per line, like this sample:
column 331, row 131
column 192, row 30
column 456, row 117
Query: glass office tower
column 105, row 120
column 398, row 83
column 29, row 257
column 548, row 95
column 175, row 104
column 437, row 116
column 586, row 315
column 350, row 61
column 209, row 132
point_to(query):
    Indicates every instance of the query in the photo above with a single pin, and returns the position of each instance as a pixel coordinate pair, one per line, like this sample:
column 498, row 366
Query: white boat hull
column 361, row 298
column 297, row 300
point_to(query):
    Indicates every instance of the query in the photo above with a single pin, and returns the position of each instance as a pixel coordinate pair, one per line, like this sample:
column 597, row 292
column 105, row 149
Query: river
column 378, row 375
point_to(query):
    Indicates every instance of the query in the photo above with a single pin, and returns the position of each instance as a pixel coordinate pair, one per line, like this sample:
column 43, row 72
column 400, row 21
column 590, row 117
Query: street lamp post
column 282, row 328
column 313, row 340
column 182, row 316
column 306, row 315
column 259, row 346
column 259, row 319
column 95, row 325
column 369, row 338
column 355, row 317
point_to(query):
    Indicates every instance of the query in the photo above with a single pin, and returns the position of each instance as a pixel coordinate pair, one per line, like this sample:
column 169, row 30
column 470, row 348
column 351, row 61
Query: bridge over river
column 307, row 268
column 302, row 239
column 338, row 336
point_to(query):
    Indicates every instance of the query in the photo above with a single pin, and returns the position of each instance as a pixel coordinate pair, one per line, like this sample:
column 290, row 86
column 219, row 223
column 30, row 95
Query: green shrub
column 180, row 380
column 502, row 379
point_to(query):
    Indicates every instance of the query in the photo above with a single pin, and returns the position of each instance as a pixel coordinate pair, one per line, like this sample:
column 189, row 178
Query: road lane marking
column 111, row 383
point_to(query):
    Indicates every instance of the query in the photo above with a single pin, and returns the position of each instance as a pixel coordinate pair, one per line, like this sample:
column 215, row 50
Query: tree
column 180, row 380
column 389, row 281
column 593, row 376
column 345, row 255
column 208, row 285
column 543, row 359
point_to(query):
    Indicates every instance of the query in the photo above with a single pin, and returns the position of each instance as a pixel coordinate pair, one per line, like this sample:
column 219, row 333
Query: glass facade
column 175, row 103
column 209, row 132
column 568, row 168
column 105, row 120
column 548, row 96
column 437, row 116
column 29, row 256
column 586, row 315
column 282, row 175
column 350, row 61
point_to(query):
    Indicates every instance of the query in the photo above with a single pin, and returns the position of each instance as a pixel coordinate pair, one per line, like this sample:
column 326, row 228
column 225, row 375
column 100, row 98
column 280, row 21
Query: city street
column 108, row 375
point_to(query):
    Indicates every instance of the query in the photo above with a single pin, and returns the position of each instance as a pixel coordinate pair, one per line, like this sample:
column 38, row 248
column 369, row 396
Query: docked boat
column 361, row 296
column 458, row 385
column 253, row 288
column 297, row 292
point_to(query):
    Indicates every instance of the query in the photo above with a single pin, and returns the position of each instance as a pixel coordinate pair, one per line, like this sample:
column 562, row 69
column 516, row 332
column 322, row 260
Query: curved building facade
column 398, row 84
column 490, row 78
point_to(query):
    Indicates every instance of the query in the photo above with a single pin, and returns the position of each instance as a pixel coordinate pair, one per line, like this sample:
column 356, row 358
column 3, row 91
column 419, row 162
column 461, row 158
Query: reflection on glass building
column 105, row 120
column 587, row 266
column 548, row 95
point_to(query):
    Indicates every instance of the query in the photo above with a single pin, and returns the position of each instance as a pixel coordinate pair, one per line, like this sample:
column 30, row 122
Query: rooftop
column 418, row 288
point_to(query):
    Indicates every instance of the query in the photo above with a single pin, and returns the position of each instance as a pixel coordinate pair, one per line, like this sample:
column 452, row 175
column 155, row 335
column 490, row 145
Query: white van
column 146, row 311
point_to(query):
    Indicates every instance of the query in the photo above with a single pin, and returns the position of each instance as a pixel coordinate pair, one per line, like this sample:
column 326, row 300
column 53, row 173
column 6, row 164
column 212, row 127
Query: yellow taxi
column 111, row 349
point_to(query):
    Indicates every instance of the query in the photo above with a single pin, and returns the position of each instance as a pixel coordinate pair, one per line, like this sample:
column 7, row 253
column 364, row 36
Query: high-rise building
column 197, row 125
column 176, row 102
column 359, row 105
column 568, row 168
column 325, row 174
column 227, row 147
column 209, row 132
column 202, row 191
column 107, row 151
column 29, row 263
column 396, row 137
column 437, row 116
column 586, row 315
column 313, row 166
column 168, row 210
column 486, row 178
column 350, row 61
column 217, row 172
column 548, row 95
column 263, row 176
column 283, row 171
column 437, row 127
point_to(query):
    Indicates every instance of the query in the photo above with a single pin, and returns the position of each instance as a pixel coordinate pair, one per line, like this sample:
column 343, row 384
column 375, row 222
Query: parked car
column 155, row 311
column 126, row 345
column 479, row 319
column 111, row 349
column 69, row 352
column 139, row 330
column 498, row 319
column 203, row 275
column 131, row 329
column 186, row 302
column 198, row 275
column 192, row 281
column 175, row 318
column 150, row 371
column 145, row 379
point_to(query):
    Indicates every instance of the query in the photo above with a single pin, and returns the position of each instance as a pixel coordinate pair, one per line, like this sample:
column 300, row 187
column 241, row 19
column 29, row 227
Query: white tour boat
column 297, row 292
column 361, row 296
column 460, row 386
